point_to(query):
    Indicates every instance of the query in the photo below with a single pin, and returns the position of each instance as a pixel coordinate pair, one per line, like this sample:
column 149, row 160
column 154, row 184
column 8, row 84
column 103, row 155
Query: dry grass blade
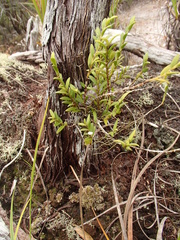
column 129, row 207
column 137, row 218
column 155, row 197
column 38, row 170
column 118, row 208
column 160, row 229
column 133, row 187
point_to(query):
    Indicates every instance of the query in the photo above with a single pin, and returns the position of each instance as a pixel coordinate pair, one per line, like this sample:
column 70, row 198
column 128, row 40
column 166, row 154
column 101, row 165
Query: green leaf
column 93, row 79
column 106, row 120
column 118, row 141
column 67, row 83
column 82, row 124
column 82, row 84
column 54, row 64
column 65, row 98
column 84, row 130
column 174, row 2
column 123, row 96
column 129, row 27
column 174, row 61
column 115, row 126
column 73, row 88
column 111, row 55
column 88, row 141
column 88, row 120
column 51, row 113
column 53, row 59
column 90, row 60
column 165, row 93
column 98, row 32
column 92, row 128
column 131, row 136
column 60, row 129
column 72, row 109
column 104, row 23
column 165, row 70
column 62, row 91
column 145, row 58
column 79, row 99
column 95, row 116
column 92, row 49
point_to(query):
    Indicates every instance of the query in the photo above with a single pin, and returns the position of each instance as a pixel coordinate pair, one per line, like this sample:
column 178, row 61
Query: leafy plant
column 88, row 128
column 113, row 9
column 99, row 103
column 57, row 121
column 40, row 6
column 96, row 103
column 175, row 10
column 29, row 201
column 13, row 235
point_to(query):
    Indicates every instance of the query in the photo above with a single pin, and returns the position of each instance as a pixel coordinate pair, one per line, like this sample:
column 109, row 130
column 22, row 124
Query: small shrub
column 99, row 104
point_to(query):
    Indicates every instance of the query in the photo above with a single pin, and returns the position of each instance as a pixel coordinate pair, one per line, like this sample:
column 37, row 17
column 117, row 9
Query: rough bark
column 68, row 30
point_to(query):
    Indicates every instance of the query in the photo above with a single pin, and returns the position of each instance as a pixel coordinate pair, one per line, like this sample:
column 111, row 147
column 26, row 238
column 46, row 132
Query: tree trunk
column 68, row 31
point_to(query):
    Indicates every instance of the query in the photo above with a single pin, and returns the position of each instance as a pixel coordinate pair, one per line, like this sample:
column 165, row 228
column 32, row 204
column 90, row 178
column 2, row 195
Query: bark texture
column 68, row 31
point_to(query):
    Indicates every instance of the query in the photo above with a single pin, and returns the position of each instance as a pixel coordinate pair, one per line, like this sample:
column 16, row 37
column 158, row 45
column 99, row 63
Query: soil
column 157, row 194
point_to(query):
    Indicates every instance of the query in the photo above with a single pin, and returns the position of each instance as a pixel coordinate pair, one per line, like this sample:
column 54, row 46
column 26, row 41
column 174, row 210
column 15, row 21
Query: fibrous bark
column 68, row 31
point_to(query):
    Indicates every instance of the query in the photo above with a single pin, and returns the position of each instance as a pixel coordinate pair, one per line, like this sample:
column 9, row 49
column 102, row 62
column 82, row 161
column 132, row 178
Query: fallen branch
column 28, row 56
column 139, row 47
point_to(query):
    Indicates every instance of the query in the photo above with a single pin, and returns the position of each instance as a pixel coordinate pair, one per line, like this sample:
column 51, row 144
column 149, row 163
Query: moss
column 15, row 113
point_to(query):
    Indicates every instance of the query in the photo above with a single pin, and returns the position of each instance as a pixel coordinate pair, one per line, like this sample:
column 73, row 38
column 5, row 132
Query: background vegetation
column 14, row 15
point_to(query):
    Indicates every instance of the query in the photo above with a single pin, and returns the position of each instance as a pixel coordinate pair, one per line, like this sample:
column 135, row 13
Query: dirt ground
column 157, row 195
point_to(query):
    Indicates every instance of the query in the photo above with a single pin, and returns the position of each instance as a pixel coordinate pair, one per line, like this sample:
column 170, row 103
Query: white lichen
column 8, row 150
column 145, row 99
column 91, row 197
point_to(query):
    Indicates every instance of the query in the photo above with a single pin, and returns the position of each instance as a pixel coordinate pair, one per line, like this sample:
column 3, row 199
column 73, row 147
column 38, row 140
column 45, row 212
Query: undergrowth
column 100, row 102
column 99, row 105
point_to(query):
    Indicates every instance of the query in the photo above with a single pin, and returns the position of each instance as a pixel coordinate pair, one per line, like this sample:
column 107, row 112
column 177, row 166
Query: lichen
column 15, row 113
column 145, row 99
column 163, row 137
column 8, row 150
column 13, row 70
column 63, row 221
column 55, row 197
column 91, row 197
column 36, row 225
column 59, row 197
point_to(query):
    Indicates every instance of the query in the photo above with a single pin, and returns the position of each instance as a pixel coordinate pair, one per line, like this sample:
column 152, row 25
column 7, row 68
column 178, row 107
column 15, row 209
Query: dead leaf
column 84, row 235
